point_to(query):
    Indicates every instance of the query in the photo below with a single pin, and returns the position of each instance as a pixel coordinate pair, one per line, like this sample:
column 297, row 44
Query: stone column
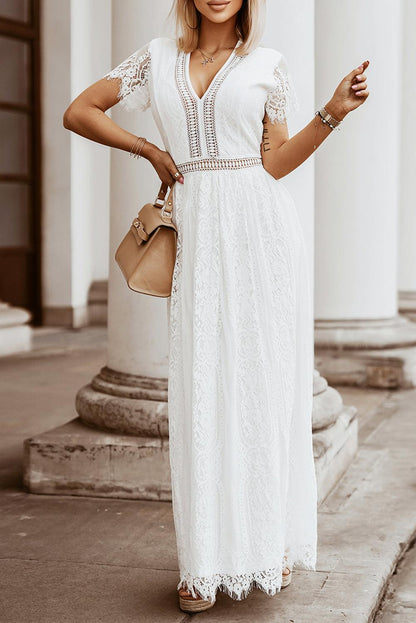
column 407, row 216
column 334, row 424
column 128, row 396
column 360, row 339
column 126, row 402
column 76, row 45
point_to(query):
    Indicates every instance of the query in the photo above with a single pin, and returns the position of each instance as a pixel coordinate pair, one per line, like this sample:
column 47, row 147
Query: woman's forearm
column 293, row 152
column 281, row 155
column 92, row 123
column 86, row 116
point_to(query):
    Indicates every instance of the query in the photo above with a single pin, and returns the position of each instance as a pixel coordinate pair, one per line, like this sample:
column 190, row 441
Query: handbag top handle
column 160, row 199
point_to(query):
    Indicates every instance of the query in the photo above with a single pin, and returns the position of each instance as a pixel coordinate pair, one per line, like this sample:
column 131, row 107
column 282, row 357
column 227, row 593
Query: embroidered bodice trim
column 192, row 103
column 216, row 164
column 209, row 107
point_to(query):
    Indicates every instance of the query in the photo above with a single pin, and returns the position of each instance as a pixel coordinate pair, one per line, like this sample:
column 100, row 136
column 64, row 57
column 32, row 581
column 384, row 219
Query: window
column 20, row 173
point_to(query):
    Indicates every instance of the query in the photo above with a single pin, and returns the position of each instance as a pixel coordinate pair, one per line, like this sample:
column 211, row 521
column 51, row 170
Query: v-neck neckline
column 214, row 79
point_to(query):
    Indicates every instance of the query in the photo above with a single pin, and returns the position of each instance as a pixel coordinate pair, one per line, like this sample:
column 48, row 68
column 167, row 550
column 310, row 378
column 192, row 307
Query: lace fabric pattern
column 282, row 99
column 190, row 105
column 133, row 74
column 237, row 586
column 239, row 480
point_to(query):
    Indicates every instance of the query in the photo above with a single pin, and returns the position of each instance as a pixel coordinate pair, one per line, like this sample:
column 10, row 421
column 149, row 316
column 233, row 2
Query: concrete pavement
column 90, row 560
column 399, row 603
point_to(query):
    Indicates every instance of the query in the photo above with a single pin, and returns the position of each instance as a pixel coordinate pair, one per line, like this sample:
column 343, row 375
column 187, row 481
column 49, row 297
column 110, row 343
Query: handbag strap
column 160, row 201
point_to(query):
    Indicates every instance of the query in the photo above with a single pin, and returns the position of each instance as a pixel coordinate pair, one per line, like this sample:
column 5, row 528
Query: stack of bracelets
column 136, row 149
column 328, row 119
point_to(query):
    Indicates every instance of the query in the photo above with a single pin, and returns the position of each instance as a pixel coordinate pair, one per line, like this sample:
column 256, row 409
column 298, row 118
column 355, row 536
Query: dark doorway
column 20, row 174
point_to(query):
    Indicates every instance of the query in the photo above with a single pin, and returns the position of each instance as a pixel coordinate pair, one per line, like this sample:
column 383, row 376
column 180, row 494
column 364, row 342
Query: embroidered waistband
column 215, row 164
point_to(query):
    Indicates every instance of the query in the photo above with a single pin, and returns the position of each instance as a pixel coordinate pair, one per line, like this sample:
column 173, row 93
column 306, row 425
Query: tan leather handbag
column 147, row 253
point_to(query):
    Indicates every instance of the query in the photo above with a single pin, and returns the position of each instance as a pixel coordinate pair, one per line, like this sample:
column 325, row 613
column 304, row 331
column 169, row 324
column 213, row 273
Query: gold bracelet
column 133, row 146
column 137, row 147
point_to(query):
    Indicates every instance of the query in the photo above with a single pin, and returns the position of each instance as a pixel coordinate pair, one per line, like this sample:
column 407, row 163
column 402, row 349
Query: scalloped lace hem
column 238, row 586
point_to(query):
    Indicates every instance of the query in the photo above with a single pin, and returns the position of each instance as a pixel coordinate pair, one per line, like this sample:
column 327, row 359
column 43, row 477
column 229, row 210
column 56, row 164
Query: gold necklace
column 208, row 58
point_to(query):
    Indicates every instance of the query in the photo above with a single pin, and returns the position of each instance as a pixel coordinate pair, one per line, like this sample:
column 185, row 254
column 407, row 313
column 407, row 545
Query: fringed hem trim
column 239, row 586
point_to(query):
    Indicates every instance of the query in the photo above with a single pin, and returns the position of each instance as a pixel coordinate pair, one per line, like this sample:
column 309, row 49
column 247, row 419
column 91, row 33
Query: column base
column 335, row 436
column 76, row 460
column 72, row 317
column 367, row 353
column 98, row 303
column 125, row 403
column 117, row 447
column 15, row 333
column 407, row 304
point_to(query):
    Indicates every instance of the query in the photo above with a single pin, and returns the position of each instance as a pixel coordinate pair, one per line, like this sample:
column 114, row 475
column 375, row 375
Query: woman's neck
column 213, row 37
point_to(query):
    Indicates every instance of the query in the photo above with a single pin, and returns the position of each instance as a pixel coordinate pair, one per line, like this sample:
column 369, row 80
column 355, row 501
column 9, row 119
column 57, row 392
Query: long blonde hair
column 249, row 24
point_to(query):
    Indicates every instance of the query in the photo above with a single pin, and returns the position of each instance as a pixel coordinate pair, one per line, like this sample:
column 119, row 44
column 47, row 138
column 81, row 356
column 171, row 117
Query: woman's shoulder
column 159, row 44
column 268, row 54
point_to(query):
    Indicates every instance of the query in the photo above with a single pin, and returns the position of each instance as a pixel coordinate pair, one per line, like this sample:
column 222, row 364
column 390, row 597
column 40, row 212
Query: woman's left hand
column 351, row 92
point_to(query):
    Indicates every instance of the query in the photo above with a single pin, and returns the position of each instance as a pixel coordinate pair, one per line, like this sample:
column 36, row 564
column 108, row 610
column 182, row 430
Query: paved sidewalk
column 399, row 603
column 90, row 560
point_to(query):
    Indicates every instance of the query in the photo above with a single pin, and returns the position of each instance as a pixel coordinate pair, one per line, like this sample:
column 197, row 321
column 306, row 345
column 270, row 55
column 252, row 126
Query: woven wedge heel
column 187, row 603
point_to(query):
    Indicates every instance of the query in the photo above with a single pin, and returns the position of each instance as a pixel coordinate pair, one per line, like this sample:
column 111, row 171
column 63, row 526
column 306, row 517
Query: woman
column 240, row 312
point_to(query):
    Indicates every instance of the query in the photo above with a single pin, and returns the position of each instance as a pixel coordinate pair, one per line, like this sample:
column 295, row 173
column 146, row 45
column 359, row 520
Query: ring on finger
column 177, row 174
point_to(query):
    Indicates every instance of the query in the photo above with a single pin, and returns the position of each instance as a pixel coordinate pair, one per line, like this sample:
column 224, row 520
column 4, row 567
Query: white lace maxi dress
column 240, row 324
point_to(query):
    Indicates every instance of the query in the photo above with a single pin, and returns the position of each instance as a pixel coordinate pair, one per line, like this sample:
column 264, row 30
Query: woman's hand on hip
column 351, row 92
column 163, row 164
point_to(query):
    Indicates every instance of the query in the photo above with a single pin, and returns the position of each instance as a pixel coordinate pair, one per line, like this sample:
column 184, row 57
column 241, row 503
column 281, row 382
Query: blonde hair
column 249, row 24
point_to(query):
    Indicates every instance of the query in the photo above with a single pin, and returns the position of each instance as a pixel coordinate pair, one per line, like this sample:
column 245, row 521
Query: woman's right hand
column 351, row 92
column 163, row 163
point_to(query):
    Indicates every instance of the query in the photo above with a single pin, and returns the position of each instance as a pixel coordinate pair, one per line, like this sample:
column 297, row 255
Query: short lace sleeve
column 281, row 98
column 133, row 73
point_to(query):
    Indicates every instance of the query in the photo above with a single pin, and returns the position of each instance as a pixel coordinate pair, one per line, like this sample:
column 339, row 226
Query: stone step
column 74, row 459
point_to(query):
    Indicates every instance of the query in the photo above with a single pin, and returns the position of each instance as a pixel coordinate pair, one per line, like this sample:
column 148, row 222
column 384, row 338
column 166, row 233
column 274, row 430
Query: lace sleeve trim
column 281, row 98
column 133, row 74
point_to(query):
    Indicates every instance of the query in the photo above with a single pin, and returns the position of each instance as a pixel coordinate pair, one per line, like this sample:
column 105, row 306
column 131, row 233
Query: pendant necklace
column 208, row 58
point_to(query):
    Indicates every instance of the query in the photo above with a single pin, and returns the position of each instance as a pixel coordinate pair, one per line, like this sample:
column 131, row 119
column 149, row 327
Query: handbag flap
column 150, row 216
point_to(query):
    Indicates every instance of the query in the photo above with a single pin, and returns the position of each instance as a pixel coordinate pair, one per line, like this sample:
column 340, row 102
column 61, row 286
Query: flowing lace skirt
column 240, row 384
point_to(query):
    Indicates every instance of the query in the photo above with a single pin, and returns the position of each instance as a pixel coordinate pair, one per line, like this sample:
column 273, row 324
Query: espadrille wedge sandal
column 187, row 603
column 286, row 577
